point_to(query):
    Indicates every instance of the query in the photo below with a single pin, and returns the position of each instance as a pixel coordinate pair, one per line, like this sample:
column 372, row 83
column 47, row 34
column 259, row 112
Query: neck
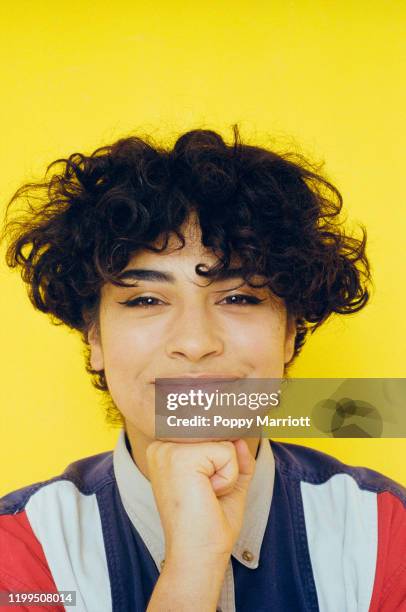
column 139, row 443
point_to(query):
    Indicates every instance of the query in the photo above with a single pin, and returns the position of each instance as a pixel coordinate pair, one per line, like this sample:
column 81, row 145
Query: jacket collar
column 139, row 503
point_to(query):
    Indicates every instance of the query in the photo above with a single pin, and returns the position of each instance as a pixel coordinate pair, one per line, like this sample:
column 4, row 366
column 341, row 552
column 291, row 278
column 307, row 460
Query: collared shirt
column 139, row 503
column 317, row 535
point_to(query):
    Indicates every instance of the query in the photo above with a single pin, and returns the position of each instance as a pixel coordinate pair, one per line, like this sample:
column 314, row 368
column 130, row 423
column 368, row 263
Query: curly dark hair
column 79, row 228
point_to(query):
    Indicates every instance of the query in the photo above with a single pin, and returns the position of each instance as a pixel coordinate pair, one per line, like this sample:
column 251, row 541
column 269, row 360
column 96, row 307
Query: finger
column 246, row 462
column 226, row 474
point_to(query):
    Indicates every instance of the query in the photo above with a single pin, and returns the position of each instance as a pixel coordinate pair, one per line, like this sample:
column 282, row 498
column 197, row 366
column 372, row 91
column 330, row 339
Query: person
column 200, row 260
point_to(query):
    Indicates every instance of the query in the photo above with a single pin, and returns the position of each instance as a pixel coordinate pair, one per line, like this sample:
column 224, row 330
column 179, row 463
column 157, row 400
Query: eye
column 241, row 299
column 144, row 301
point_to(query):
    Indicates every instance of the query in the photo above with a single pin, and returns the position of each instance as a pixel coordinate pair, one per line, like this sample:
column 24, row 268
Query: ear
column 290, row 338
column 96, row 350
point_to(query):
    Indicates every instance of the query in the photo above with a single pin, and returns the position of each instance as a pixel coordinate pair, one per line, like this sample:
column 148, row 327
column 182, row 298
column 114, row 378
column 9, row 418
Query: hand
column 200, row 490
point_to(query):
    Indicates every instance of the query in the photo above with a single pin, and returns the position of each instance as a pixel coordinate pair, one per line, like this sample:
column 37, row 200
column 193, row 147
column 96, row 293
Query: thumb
column 246, row 465
column 246, row 462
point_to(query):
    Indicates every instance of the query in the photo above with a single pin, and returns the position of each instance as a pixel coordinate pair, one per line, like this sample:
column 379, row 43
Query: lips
column 204, row 381
column 201, row 376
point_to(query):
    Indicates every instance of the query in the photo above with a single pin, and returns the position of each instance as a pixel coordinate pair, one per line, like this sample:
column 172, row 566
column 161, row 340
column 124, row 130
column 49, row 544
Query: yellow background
column 76, row 75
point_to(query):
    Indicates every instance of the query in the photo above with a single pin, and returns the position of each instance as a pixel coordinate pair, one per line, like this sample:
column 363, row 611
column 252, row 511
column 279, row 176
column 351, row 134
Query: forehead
column 173, row 256
column 178, row 264
column 190, row 254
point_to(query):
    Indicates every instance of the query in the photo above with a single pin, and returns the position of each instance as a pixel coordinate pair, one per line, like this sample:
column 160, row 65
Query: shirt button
column 247, row 556
column 162, row 564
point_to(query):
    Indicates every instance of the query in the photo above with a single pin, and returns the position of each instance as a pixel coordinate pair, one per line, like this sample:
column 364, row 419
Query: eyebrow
column 149, row 275
column 168, row 277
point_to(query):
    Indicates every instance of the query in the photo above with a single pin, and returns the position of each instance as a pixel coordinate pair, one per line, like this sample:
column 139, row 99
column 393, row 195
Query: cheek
column 129, row 355
column 262, row 342
column 128, row 349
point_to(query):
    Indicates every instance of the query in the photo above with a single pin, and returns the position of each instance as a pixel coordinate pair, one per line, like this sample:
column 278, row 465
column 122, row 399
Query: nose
column 194, row 336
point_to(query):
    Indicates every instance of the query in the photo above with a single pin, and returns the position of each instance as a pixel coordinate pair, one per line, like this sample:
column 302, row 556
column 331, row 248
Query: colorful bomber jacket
column 321, row 535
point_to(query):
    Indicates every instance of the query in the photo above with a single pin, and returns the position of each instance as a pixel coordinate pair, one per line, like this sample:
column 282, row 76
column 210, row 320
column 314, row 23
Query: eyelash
column 136, row 302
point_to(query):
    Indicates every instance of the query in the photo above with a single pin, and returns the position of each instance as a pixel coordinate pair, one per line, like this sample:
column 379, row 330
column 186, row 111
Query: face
column 172, row 323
